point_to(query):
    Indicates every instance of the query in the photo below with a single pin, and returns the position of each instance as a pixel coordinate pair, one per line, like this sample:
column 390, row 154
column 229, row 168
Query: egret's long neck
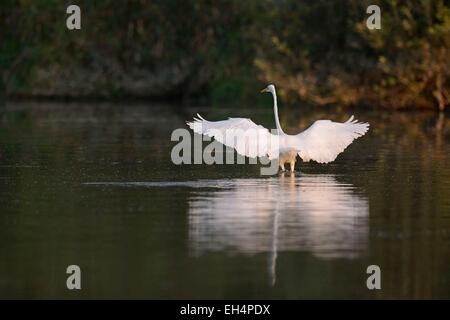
column 275, row 111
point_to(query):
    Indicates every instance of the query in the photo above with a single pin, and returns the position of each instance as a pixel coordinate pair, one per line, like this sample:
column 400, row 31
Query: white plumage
column 242, row 134
column 323, row 141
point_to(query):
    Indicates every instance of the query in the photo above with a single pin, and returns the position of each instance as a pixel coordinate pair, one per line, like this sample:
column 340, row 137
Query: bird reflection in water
column 308, row 213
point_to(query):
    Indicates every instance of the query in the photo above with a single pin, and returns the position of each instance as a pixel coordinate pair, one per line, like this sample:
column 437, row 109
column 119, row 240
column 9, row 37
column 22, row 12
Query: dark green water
column 93, row 185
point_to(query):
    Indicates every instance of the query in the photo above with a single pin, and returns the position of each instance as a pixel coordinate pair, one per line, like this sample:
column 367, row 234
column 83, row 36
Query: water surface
column 92, row 184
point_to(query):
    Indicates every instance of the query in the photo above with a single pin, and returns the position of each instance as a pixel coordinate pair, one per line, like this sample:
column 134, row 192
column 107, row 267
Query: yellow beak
column 264, row 90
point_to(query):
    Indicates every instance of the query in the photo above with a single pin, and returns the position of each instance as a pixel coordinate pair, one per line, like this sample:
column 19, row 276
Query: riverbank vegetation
column 319, row 52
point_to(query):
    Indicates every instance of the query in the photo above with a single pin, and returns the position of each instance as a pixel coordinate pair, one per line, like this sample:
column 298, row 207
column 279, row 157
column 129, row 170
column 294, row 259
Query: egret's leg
column 292, row 166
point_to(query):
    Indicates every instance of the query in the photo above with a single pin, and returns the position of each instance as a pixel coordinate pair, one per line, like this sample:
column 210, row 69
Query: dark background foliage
column 320, row 52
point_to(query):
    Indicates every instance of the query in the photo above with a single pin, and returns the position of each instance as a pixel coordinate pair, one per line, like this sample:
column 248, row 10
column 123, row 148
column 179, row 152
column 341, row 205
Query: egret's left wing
column 325, row 139
column 242, row 134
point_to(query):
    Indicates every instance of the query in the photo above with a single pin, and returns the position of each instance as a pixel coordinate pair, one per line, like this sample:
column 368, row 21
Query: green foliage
column 317, row 51
column 324, row 53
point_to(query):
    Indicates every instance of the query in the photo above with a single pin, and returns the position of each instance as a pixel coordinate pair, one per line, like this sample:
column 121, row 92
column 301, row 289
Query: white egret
column 322, row 142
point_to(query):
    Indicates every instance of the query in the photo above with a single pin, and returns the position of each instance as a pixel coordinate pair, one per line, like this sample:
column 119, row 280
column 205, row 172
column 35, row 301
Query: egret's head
column 270, row 88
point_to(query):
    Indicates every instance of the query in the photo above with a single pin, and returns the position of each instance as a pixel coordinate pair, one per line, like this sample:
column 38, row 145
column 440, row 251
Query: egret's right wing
column 325, row 139
column 242, row 134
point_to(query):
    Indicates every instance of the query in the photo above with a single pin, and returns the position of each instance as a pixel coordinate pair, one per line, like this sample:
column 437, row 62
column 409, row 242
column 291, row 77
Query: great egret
column 321, row 142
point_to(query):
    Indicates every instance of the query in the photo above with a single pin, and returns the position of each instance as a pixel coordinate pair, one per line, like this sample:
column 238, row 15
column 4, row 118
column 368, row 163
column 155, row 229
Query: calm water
column 93, row 185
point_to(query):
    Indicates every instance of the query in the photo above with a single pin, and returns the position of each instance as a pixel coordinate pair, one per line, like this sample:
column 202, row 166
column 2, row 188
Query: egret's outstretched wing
column 242, row 134
column 325, row 139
